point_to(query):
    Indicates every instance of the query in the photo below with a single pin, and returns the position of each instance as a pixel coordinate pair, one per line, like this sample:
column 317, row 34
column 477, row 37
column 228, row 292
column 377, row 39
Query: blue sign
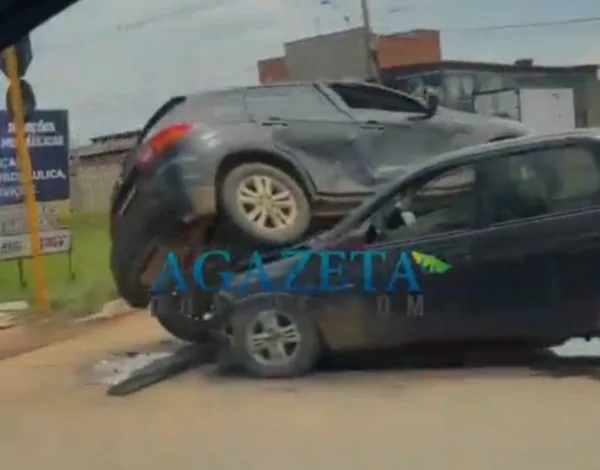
column 48, row 141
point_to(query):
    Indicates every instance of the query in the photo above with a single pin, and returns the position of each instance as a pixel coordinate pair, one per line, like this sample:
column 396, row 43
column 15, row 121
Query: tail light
column 162, row 142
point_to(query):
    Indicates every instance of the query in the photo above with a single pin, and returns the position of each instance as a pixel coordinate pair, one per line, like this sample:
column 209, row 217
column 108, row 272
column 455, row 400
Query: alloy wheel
column 267, row 203
column 273, row 338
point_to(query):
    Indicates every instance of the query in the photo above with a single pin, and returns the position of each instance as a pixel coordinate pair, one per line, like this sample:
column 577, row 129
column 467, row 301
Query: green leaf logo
column 430, row 264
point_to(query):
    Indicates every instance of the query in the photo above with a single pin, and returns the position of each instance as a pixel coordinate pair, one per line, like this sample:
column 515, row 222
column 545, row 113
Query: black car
column 268, row 163
column 505, row 241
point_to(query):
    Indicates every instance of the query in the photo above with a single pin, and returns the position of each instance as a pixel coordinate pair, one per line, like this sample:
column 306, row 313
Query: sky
column 113, row 62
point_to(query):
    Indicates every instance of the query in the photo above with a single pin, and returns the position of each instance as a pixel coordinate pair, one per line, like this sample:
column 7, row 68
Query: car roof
column 516, row 144
column 281, row 85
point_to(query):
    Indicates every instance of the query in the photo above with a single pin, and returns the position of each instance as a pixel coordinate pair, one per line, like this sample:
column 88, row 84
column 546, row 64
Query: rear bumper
column 146, row 202
column 169, row 195
column 145, row 212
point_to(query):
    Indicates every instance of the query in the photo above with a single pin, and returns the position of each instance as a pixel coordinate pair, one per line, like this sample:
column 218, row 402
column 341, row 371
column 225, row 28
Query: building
column 412, row 61
column 105, row 149
column 456, row 82
column 95, row 168
column 319, row 56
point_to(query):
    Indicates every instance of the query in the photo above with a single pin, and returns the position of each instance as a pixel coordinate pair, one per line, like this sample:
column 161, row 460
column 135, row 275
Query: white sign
column 18, row 226
column 19, row 246
column 33, row 129
column 13, row 219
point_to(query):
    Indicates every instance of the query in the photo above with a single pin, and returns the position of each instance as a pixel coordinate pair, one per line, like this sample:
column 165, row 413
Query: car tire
column 275, row 182
column 184, row 327
column 133, row 246
column 126, row 273
column 298, row 325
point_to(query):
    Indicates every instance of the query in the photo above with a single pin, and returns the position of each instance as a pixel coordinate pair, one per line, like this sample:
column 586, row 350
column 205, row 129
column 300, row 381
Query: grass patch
column 93, row 284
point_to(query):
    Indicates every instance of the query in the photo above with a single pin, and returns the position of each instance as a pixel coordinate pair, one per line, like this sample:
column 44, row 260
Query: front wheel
column 274, row 342
column 266, row 203
column 186, row 326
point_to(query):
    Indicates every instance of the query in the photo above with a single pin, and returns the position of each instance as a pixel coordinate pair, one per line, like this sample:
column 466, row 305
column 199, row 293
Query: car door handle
column 372, row 125
column 274, row 121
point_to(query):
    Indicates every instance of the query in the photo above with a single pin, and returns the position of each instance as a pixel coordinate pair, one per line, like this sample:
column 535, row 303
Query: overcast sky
column 112, row 62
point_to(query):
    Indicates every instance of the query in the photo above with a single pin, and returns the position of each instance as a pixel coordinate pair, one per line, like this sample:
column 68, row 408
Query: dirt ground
column 51, row 418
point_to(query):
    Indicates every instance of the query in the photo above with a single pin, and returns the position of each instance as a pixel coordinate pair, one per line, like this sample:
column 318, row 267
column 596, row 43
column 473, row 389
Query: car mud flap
column 136, row 371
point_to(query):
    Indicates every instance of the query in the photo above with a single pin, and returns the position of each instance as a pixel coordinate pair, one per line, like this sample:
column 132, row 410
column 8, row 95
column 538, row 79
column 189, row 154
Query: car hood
column 503, row 126
column 275, row 265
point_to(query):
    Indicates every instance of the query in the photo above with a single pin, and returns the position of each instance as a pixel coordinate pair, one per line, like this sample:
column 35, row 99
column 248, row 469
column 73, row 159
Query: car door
column 436, row 251
column 577, row 204
column 541, row 248
column 573, row 180
column 304, row 122
column 395, row 126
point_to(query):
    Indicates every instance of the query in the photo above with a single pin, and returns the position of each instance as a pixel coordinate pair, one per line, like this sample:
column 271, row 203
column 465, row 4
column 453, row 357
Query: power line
column 130, row 26
column 535, row 24
column 127, row 99
column 193, row 8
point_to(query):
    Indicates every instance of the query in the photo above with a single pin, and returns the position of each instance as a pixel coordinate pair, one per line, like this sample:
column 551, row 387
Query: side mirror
column 433, row 101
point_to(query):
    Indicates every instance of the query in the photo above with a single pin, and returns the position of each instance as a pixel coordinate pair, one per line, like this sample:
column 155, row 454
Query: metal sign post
column 24, row 162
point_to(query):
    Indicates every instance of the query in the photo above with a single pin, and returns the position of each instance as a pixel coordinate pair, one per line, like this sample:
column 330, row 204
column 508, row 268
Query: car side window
column 445, row 203
column 227, row 106
column 544, row 181
column 368, row 97
column 289, row 102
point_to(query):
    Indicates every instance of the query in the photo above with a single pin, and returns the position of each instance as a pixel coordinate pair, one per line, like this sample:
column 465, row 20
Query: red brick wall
column 414, row 47
column 417, row 47
column 273, row 70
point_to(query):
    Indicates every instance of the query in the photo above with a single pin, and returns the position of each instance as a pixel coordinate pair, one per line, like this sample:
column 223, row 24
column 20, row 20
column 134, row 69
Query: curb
column 7, row 320
column 110, row 310
column 28, row 338
column 10, row 312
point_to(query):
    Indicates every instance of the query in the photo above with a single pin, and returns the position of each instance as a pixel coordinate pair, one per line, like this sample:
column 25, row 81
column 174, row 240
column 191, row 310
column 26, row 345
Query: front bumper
column 222, row 310
column 176, row 303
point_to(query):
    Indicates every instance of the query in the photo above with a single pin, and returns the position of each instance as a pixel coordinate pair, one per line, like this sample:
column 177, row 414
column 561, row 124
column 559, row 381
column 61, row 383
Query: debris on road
column 129, row 372
column 9, row 311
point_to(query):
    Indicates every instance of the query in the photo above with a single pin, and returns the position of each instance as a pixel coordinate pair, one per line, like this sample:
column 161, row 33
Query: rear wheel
column 136, row 242
column 266, row 203
column 127, row 274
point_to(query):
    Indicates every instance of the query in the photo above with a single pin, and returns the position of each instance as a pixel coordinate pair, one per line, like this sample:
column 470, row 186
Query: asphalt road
column 511, row 418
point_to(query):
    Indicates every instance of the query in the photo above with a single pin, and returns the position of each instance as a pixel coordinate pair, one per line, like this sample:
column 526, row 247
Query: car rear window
column 217, row 107
column 220, row 107
column 165, row 109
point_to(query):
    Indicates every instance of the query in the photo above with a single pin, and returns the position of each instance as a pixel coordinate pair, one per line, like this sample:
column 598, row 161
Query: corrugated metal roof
column 102, row 146
column 116, row 136
column 491, row 67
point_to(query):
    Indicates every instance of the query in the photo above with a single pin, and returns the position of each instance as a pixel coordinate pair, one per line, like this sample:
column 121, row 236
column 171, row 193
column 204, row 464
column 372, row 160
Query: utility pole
column 370, row 47
column 19, row 104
